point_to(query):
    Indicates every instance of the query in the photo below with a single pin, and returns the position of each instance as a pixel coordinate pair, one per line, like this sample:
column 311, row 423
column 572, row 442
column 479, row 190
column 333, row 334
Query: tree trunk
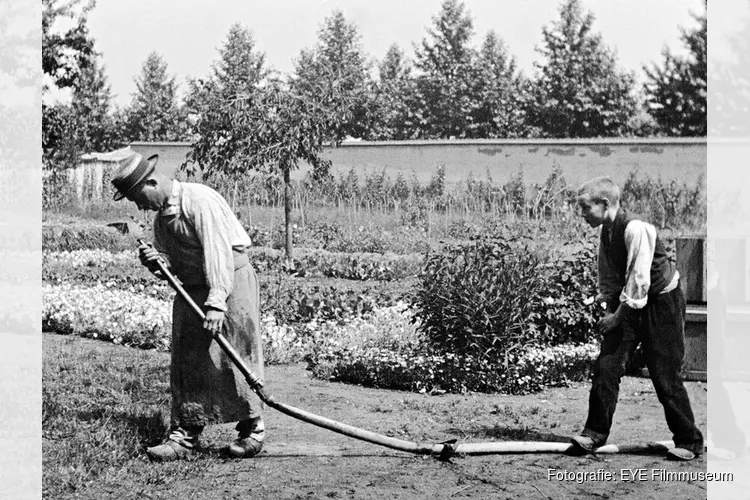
column 234, row 198
column 288, row 212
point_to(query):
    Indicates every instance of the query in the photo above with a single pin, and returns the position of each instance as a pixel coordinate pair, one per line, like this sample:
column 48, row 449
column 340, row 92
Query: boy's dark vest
column 662, row 270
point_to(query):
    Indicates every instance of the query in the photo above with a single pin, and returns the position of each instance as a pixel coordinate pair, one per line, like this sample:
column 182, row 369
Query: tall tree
column 154, row 113
column 337, row 59
column 500, row 93
column 84, row 125
column 445, row 61
column 677, row 90
column 269, row 130
column 394, row 93
column 237, row 73
column 92, row 108
column 65, row 54
column 579, row 91
column 240, row 66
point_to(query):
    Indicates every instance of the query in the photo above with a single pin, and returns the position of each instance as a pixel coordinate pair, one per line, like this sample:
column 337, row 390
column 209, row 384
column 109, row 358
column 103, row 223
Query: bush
column 482, row 299
column 568, row 311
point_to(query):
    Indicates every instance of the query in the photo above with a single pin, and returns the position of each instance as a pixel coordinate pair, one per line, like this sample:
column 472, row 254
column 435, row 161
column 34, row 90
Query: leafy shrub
column 568, row 311
column 323, row 235
column 481, row 299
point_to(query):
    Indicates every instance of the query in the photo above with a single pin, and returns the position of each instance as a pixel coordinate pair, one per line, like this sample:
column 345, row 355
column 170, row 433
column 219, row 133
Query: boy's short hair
column 600, row 188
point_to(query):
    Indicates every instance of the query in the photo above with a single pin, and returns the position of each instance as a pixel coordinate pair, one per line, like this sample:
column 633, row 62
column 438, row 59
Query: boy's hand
column 214, row 321
column 608, row 323
column 611, row 321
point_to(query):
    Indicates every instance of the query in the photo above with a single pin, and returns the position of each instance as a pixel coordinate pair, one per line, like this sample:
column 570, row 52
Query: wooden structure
column 691, row 257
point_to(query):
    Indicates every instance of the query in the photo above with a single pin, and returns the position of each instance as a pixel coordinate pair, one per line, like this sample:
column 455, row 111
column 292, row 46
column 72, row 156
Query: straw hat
column 132, row 171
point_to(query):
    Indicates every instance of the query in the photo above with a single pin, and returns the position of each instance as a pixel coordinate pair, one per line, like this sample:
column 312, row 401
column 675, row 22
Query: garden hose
column 443, row 450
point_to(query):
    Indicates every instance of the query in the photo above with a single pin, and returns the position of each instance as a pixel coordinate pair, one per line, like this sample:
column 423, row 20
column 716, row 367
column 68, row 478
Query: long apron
column 206, row 386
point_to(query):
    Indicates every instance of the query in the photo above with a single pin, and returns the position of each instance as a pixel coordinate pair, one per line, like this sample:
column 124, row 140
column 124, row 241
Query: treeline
column 448, row 88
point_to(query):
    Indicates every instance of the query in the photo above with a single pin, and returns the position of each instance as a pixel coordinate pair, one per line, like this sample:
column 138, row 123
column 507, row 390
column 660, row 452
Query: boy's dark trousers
column 660, row 327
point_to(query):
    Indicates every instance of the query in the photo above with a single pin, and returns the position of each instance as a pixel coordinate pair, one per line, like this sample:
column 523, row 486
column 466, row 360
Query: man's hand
column 214, row 321
column 149, row 256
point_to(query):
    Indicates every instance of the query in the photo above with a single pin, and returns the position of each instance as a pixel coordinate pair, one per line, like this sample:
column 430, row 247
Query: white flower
column 102, row 312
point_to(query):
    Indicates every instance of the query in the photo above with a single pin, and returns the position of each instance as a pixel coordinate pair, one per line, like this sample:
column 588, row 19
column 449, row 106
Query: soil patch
column 304, row 461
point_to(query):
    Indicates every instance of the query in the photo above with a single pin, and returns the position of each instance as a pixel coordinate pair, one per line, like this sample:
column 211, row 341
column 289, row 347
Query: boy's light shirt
column 640, row 239
column 217, row 230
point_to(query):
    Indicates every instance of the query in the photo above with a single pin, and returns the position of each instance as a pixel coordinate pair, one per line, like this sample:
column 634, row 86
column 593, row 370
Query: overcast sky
column 188, row 33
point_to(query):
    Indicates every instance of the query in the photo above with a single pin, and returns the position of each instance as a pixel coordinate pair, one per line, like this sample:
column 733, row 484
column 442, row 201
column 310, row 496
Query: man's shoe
column 681, row 454
column 586, row 444
column 168, row 451
column 245, row 448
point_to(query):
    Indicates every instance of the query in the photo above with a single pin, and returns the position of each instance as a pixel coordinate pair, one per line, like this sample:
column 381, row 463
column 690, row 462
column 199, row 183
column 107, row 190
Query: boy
column 645, row 304
column 201, row 240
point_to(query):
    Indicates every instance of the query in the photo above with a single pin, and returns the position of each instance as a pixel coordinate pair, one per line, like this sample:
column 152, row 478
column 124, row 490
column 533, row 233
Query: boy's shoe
column 168, row 451
column 245, row 447
column 681, row 454
column 586, row 443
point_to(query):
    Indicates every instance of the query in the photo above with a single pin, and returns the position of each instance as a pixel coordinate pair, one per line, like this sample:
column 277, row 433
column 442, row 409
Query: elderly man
column 204, row 245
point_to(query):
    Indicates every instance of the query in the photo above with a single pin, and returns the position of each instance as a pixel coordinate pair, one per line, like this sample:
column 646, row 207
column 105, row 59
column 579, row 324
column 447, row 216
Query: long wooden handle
column 442, row 450
column 252, row 379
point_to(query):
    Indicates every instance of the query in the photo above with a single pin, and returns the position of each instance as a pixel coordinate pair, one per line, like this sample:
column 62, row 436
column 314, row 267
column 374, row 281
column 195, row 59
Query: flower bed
column 309, row 263
column 386, row 350
column 353, row 266
column 382, row 348
column 130, row 317
column 121, row 316
column 289, row 299
column 424, row 370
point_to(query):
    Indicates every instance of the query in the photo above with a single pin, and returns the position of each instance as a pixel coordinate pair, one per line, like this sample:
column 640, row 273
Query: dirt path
column 304, row 461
